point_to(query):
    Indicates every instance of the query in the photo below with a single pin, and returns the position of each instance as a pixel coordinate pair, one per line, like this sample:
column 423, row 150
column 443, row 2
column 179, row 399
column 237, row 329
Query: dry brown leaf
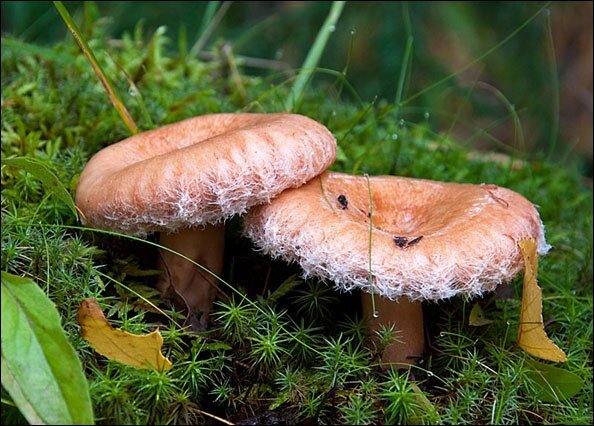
column 142, row 351
column 531, row 333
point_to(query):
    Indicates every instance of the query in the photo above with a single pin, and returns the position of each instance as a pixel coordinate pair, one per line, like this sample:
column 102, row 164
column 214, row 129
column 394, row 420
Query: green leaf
column 424, row 411
column 42, row 172
column 553, row 384
column 40, row 370
column 280, row 400
column 477, row 317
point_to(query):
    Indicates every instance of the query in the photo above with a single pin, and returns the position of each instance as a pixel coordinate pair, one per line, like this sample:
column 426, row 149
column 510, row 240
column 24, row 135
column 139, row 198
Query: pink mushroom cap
column 428, row 240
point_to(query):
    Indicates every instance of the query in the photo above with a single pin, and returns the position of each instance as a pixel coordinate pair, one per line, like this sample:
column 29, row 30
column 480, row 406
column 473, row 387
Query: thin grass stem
column 371, row 290
column 140, row 296
column 113, row 96
column 406, row 60
column 519, row 142
column 313, row 56
column 211, row 9
column 404, row 72
column 205, row 36
column 479, row 58
column 135, row 93
column 465, row 100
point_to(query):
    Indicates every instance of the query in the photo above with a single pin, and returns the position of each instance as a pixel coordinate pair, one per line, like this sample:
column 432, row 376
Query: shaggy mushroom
column 420, row 240
column 184, row 179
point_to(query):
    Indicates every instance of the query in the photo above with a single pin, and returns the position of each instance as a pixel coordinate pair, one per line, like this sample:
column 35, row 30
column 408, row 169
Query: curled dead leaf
column 532, row 336
column 141, row 351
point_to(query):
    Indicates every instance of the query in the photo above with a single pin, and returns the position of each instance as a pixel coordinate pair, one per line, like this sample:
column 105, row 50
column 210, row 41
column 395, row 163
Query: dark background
column 529, row 71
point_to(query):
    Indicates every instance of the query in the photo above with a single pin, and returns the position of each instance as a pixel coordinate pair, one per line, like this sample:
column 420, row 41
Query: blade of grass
column 371, row 289
column 346, row 65
column 135, row 93
column 313, row 56
column 115, row 100
column 404, row 73
column 406, row 60
column 211, row 9
column 201, row 42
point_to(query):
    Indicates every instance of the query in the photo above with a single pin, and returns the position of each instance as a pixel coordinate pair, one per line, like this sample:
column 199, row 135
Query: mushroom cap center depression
column 406, row 207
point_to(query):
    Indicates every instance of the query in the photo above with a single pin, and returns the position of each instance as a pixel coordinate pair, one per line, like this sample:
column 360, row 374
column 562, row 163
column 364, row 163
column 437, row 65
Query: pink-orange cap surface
column 427, row 241
column 201, row 171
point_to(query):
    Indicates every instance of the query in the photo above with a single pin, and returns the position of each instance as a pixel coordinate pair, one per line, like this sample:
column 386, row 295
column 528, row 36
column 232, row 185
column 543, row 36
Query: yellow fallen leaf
column 531, row 333
column 477, row 317
column 142, row 351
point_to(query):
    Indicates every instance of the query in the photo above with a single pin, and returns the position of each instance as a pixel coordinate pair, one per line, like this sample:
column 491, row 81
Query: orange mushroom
column 185, row 179
column 403, row 240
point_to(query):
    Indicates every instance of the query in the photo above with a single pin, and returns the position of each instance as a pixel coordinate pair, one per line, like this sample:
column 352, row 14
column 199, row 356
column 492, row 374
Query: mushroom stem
column 194, row 285
column 408, row 344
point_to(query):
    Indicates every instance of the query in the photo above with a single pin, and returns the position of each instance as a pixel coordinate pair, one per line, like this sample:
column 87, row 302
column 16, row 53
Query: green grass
column 278, row 351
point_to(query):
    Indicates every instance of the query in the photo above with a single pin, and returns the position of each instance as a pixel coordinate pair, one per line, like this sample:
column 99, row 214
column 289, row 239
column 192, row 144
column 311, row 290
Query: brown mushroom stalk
column 196, row 286
column 404, row 240
column 185, row 179
column 406, row 316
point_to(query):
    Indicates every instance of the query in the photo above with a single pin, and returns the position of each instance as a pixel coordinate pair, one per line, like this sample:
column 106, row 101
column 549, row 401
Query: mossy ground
column 284, row 354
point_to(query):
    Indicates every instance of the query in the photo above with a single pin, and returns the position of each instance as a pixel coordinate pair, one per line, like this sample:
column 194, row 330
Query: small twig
column 250, row 61
column 212, row 416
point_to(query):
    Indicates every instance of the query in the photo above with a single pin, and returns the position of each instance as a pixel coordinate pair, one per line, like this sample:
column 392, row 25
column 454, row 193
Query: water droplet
column 332, row 28
column 426, row 115
column 132, row 91
column 401, row 122
column 278, row 54
column 334, row 113
column 375, row 314
column 395, row 136
column 353, row 31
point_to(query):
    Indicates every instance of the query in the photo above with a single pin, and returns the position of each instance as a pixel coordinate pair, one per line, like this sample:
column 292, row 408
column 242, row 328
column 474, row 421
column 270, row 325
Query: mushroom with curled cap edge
column 420, row 240
column 184, row 179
